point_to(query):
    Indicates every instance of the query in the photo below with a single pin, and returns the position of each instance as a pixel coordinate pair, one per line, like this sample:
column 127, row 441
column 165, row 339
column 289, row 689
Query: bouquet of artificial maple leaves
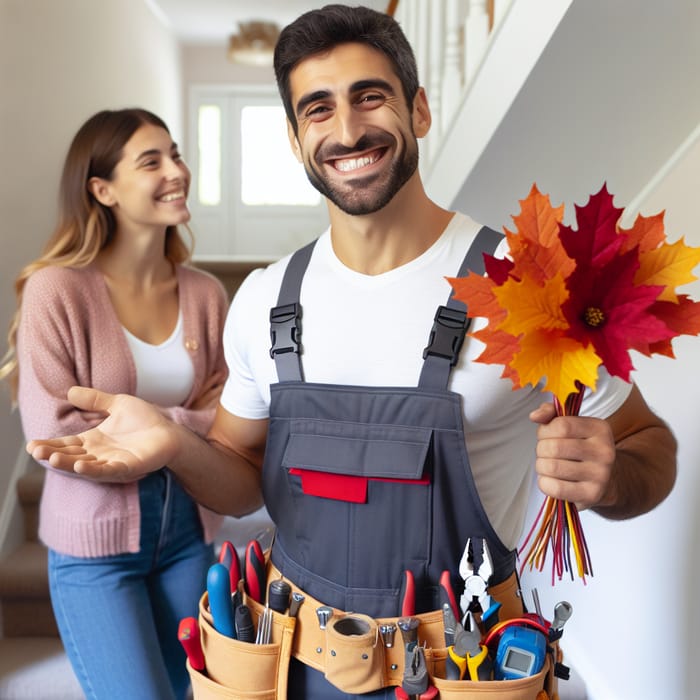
column 566, row 301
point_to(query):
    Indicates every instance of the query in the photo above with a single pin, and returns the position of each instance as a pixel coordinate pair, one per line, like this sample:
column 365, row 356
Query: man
column 366, row 472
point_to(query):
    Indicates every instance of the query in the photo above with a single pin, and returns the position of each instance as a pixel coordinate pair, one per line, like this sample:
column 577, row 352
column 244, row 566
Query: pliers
column 468, row 657
column 475, row 568
column 415, row 684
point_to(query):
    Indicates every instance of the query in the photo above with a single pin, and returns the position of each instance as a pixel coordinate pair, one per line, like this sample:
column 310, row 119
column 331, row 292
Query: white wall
column 61, row 61
column 642, row 600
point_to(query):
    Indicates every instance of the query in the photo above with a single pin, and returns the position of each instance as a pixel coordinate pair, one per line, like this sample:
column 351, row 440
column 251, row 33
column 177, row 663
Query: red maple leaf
column 597, row 240
column 606, row 309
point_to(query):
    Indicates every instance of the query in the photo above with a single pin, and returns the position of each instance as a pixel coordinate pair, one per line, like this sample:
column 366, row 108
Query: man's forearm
column 643, row 475
column 216, row 476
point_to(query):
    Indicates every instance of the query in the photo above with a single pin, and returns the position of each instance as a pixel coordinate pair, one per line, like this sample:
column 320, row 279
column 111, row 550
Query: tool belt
column 350, row 652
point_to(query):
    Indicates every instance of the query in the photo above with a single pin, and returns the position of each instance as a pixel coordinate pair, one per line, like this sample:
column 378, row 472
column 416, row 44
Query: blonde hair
column 84, row 225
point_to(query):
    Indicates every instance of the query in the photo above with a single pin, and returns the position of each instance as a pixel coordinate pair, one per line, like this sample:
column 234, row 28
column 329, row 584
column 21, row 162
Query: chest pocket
column 338, row 459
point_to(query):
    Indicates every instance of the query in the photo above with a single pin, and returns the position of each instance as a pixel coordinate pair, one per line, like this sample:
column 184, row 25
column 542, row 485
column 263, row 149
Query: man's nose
column 349, row 125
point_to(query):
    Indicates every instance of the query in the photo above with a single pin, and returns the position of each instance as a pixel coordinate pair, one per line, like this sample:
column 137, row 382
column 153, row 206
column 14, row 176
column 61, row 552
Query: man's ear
column 422, row 118
column 101, row 191
column 294, row 142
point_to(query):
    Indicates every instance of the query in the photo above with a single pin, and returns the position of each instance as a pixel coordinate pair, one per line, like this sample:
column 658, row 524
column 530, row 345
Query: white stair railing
column 449, row 38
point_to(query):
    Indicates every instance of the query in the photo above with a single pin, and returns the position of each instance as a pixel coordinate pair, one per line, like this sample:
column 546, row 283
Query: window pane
column 270, row 174
column 209, row 144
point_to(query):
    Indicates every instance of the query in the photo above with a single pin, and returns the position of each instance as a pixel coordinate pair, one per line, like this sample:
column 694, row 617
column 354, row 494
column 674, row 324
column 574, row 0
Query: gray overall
column 364, row 483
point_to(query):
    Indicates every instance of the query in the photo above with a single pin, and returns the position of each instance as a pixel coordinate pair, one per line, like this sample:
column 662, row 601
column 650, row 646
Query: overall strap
column 451, row 321
column 285, row 318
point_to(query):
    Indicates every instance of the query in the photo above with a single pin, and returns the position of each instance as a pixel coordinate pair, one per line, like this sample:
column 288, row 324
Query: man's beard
column 363, row 195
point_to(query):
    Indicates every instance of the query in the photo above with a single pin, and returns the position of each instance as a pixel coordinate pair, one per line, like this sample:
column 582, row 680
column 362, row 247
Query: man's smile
column 355, row 163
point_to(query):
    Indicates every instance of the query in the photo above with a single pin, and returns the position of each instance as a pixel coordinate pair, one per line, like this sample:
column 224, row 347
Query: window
column 250, row 196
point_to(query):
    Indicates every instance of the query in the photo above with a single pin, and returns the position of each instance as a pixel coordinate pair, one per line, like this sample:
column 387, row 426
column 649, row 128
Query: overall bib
column 365, row 483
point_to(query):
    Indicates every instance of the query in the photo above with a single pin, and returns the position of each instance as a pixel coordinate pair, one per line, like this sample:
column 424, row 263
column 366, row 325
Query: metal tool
column 476, row 568
column 264, row 634
column 297, row 600
column 255, row 571
column 538, row 607
column 562, row 612
column 323, row 613
column 450, row 623
column 409, row 630
column 447, row 594
column 415, row 684
column 245, row 631
column 219, row 594
column 388, row 633
column 468, row 657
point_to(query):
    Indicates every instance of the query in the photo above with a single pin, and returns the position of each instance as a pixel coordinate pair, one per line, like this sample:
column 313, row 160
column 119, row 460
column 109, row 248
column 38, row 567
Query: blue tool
column 219, row 593
column 521, row 653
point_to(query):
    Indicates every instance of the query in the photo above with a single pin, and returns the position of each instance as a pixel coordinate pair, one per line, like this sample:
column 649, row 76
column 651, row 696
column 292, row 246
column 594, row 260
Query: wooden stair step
column 24, row 593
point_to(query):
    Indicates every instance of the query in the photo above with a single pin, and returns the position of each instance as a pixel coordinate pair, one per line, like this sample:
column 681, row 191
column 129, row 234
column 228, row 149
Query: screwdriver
column 278, row 594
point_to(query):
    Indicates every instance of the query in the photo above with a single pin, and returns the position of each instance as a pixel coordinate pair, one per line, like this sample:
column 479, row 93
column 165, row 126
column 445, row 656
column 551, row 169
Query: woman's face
column 150, row 183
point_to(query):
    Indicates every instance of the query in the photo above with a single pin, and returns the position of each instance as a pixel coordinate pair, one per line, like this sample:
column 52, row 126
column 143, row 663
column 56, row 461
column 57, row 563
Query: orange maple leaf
column 559, row 361
column 532, row 306
column 536, row 248
column 669, row 265
column 647, row 232
column 476, row 292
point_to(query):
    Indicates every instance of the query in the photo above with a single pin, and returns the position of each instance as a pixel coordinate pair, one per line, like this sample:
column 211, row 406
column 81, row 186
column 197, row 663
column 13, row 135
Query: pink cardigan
column 69, row 334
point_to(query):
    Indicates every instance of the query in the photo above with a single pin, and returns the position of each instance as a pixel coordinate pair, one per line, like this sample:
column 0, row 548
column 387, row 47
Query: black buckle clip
column 447, row 335
column 285, row 329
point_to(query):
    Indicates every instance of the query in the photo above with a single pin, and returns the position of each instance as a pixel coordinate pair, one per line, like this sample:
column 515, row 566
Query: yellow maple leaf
column 532, row 306
column 559, row 361
column 669, row 265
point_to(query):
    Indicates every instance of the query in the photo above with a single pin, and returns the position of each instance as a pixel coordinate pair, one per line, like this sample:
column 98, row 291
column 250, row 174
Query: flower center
column 593, row 317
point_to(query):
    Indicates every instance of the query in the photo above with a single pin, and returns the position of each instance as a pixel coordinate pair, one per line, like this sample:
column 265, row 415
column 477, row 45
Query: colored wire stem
column 559, row 523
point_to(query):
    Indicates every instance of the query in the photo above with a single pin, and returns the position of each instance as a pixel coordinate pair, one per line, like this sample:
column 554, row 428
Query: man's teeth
column 172, row 196
column 348, row 164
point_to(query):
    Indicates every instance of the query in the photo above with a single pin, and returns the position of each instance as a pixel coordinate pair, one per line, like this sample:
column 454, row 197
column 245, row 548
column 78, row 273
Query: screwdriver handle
column 278, row 594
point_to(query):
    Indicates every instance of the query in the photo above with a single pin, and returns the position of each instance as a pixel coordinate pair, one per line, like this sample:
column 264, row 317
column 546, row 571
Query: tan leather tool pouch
column 354, row 654
column 242, row 670
column 520, row 689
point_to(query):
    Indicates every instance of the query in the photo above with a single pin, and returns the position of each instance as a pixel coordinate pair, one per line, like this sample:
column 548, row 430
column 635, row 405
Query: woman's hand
column 132, row 441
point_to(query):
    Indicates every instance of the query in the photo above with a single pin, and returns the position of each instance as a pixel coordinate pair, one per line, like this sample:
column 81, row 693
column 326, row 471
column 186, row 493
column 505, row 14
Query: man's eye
column 374, row 97
column 317, row 111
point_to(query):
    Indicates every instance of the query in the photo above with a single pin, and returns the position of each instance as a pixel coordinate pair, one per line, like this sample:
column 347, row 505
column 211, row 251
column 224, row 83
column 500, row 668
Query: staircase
column 32, row 661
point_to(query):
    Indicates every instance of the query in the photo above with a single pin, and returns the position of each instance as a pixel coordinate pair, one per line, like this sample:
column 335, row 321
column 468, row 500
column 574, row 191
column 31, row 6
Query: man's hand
column 133, row 440
column 575, row 456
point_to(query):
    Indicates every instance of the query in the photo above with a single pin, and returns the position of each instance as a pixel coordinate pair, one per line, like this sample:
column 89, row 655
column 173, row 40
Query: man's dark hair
column 321, row 30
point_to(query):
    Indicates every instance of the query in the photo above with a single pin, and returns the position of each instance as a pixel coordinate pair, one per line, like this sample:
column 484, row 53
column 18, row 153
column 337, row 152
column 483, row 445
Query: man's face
column 355, row 133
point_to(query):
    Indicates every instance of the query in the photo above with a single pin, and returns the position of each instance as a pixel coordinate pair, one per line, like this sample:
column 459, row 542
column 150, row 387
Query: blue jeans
column 118, row 616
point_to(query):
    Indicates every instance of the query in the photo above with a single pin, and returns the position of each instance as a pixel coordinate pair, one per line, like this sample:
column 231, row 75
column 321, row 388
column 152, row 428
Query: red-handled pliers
column 415, row 684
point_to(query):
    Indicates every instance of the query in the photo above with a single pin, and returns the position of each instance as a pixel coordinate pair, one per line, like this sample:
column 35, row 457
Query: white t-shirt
column 164, row 372
column 371, row 330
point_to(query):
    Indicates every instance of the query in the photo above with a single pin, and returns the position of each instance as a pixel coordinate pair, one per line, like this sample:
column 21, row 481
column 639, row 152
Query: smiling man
column 381, row 447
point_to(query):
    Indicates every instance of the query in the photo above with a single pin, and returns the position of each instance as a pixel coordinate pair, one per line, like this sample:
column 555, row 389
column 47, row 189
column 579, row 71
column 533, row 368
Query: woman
column 112, row 305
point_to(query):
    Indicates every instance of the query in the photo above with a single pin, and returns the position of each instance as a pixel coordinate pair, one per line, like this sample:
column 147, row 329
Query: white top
column 164, row 373
column 371, row 330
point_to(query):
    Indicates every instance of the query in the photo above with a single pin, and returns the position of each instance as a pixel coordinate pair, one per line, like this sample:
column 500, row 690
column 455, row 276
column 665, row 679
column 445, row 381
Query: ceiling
column 212, row 21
